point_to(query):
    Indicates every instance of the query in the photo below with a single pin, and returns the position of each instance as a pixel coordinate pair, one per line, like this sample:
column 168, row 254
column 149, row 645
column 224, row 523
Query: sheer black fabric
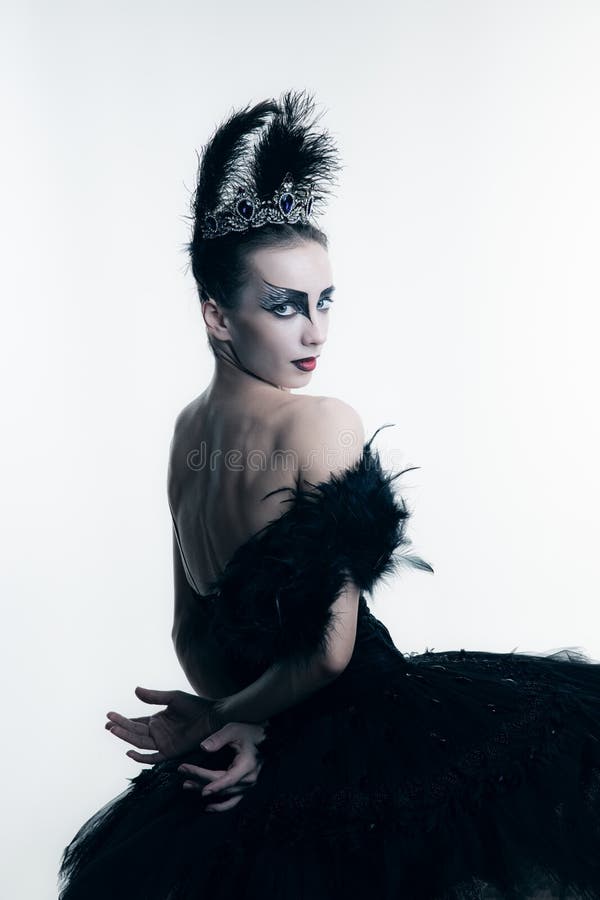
column 431, row 776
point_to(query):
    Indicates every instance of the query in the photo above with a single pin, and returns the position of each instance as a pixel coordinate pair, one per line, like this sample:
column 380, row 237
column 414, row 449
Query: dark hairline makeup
column 276, row 295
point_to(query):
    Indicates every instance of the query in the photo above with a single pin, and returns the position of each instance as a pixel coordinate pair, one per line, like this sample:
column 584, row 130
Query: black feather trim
column 273, row 599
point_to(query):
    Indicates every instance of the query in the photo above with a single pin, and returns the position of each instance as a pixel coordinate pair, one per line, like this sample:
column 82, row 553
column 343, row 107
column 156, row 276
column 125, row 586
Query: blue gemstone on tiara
column 286, row 204
column 245, row 208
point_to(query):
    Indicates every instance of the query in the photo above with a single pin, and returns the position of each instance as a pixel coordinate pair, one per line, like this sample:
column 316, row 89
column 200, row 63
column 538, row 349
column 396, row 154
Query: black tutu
column 431, row 776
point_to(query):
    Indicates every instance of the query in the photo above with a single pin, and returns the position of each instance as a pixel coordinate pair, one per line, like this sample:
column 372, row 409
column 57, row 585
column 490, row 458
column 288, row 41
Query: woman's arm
column 188, row 608
column 198, row 655
column 204, row 666
column 289, row 681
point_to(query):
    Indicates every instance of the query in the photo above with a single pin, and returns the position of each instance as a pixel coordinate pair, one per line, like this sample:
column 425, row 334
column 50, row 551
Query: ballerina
column 337, row 764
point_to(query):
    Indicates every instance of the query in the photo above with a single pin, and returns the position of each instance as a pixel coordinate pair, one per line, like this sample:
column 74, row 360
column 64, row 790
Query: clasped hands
column 190, row 721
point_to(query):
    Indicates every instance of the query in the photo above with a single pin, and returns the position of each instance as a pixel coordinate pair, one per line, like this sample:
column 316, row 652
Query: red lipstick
column 307, row 364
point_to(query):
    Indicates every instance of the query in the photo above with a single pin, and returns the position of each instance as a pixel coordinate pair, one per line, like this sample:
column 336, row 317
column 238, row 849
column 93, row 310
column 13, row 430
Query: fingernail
column 206, row 744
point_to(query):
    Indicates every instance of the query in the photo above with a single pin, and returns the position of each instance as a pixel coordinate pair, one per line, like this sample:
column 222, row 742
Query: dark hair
column 287, row 142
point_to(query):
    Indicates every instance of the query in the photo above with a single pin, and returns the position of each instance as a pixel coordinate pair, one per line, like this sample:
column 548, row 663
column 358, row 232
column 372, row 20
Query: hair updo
column 285, row 141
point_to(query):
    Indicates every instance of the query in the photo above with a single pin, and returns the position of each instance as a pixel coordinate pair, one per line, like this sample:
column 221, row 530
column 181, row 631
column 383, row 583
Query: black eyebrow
column 299, row 295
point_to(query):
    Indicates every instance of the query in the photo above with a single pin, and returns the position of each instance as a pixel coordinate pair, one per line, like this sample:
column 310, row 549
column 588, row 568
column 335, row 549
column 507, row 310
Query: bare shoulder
column 179, row 441
column 184, row 416
column 185, row 426
column 326, row 434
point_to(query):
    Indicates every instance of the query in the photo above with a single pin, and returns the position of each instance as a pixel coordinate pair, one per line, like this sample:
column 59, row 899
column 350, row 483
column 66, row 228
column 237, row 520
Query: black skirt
column 437, row 776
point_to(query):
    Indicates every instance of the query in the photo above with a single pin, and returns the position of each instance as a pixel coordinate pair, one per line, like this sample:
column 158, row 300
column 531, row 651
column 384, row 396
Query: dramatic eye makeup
column 283, row 302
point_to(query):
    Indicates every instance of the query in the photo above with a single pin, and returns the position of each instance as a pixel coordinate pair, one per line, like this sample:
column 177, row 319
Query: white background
column 464, row 241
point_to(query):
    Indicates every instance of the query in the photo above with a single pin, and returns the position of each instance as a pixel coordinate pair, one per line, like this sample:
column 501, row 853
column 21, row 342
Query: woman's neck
column 230, row 378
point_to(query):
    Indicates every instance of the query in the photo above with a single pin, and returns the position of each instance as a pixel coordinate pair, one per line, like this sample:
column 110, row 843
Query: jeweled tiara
column 288, row 204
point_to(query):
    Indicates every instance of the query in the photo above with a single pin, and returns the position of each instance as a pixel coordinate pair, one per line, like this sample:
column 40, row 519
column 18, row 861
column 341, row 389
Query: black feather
column 290, row 142
column 224, row 163
column 273, row 598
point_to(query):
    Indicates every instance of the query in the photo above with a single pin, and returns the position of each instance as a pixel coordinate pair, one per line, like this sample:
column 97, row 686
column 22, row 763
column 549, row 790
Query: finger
column 192, row 785
column 230, row 733
column 145, row 719
column 235, row 733
column 197, row 772
column 235, row 789
column 145, row 757
column 216, row 799
column 226, row 804
column 242, row 771
column 151, row 696
column 137, row 725
column 143, row 741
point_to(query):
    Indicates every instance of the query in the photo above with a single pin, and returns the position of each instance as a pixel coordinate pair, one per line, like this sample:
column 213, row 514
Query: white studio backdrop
column 464, row 247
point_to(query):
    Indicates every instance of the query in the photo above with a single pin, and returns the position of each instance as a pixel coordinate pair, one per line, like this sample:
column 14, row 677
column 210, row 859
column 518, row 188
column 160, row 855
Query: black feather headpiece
column 283, row 177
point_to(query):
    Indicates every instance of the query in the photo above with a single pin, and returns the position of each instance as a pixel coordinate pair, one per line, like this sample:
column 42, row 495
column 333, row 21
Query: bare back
column 225, row 456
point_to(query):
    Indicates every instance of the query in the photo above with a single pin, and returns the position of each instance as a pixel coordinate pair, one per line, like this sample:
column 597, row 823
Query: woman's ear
column 215, row 321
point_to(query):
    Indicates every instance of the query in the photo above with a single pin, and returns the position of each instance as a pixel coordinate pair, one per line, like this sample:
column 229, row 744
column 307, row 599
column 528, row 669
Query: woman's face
column 283, row 313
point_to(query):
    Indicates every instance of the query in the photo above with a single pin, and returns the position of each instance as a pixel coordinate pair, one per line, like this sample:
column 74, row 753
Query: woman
column 337, row 765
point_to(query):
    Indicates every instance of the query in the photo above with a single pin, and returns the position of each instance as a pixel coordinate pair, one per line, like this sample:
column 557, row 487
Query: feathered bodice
column 273, row 599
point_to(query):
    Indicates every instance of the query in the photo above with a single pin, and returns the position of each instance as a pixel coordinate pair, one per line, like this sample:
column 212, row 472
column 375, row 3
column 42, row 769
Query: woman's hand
column 174, row 731
column 225, row 788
